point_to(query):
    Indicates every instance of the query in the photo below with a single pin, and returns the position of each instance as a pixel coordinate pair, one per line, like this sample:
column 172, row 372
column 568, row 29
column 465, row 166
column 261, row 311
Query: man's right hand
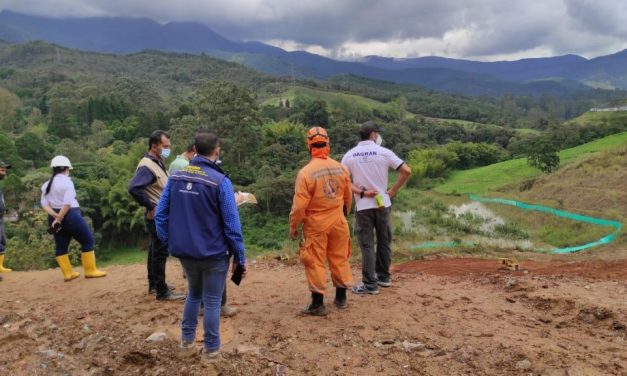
column 371, row 193
column 234, row 267
column 151, row 214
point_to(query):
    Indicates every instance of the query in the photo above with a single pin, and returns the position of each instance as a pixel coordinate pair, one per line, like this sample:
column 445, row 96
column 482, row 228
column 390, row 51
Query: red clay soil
column 491, row 323
column 594, row 269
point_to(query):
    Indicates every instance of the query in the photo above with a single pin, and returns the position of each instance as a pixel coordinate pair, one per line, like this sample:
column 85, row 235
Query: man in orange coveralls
column 322, row 200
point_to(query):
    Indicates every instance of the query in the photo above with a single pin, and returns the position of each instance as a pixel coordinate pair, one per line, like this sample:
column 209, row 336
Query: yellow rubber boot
column 66, row 268
column 89, row 264
column 2, row 268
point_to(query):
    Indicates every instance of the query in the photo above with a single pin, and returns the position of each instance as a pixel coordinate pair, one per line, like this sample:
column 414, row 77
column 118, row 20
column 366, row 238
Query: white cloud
column 478, row 29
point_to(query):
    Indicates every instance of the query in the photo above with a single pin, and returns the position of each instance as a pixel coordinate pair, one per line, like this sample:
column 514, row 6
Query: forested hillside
column 98, row 110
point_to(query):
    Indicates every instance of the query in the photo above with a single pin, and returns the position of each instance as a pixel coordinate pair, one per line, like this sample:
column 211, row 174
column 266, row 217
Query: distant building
column 284, row 103
column 608, row 109
column 12, row 216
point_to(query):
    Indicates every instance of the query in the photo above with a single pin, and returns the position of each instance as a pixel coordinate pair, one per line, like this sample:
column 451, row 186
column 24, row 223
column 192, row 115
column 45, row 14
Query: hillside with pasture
column 494, row 177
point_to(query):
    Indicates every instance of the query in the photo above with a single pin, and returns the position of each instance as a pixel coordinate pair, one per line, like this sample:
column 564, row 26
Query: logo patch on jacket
column 189, row 186
column 330, row 188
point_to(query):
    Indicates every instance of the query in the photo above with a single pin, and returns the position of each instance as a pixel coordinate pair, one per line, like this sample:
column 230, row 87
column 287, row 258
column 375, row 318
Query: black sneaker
column 153, row 290
column 315, row 311
column 384, row 283
column 171, row 296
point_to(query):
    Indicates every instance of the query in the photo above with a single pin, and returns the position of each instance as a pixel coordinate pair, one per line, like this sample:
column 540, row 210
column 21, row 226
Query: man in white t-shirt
column 369, row 164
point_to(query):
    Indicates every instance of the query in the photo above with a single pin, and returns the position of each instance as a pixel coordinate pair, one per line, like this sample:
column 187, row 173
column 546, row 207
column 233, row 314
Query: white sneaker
column 210, row 356
column 187, row 348
column 228, row 311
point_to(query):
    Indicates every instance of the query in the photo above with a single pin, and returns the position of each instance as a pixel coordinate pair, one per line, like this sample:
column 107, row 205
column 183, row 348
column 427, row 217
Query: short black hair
column 206, row 142
column 155, row 138
column 190, row 147
column 367, row 128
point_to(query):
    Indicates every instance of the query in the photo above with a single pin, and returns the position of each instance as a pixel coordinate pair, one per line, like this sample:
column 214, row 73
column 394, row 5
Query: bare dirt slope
column 476, row 320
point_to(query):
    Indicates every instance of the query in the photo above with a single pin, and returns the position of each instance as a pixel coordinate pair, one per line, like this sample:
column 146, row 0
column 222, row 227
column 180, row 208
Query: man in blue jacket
column 198, row 220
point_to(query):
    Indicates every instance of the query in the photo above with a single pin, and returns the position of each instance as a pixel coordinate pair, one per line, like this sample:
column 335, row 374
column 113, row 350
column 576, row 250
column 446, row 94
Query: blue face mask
column 165, row 153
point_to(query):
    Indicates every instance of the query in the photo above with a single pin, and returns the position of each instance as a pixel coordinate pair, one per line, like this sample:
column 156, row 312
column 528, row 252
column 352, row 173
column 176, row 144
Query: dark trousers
column 73, row 226
column 375, row 260
column 157, row 257
column 3, row 237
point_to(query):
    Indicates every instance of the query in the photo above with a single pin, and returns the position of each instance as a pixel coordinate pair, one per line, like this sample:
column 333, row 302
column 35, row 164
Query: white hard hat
column 60, row 161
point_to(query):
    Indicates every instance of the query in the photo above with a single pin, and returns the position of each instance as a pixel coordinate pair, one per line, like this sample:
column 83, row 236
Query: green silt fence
column 544, row 209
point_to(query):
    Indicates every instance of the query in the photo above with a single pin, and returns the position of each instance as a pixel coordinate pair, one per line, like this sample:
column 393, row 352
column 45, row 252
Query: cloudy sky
column 348, row 29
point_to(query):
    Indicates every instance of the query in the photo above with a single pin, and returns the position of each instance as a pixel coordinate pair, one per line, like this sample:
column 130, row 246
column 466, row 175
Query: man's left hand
column 391, row 193
column 294, row 233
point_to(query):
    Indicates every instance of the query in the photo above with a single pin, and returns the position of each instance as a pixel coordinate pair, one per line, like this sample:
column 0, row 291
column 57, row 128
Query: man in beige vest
column 146, row 187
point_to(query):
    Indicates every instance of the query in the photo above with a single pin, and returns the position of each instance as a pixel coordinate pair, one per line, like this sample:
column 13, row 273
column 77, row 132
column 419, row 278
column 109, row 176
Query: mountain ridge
column 561, row 75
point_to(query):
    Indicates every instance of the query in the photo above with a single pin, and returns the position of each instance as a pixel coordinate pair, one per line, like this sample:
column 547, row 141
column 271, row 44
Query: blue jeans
column 205, row 281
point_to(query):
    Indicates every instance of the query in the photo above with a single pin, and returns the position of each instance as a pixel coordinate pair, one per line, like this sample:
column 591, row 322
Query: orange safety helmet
column 317, row 135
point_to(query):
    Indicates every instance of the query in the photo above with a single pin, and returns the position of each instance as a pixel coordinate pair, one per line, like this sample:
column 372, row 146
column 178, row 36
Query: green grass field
column 600, row 117
column 122, row 256
column 296, row 91
column 527, row 131
column 489, row 178
column 327, row 96
column 473, row 125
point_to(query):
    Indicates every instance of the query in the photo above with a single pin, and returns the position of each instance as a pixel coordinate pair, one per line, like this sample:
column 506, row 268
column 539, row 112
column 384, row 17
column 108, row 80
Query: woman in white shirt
column 58, row 199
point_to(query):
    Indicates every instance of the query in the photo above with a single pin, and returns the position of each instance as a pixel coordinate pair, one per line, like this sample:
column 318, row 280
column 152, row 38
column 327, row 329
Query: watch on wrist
column 361, row 195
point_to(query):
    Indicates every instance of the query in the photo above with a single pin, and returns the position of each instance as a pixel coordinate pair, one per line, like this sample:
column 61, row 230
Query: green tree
column 14, row 191
column 63, row 113
column 9, row 154
column 544, row 155
column 9, row 105
column 182, row 131
column 31, row 146
column 315, row 113
column 231, row 111
column 126, row 129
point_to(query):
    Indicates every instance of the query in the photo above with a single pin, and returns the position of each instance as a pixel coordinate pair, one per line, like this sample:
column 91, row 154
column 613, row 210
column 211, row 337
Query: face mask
column 379, row 140
column 165, row 153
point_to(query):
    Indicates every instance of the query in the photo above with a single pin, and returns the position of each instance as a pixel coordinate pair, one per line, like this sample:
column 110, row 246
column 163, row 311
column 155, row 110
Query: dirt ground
column 440, row 317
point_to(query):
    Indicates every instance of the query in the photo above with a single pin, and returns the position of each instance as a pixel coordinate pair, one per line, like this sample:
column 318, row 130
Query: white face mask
column 379, row 140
